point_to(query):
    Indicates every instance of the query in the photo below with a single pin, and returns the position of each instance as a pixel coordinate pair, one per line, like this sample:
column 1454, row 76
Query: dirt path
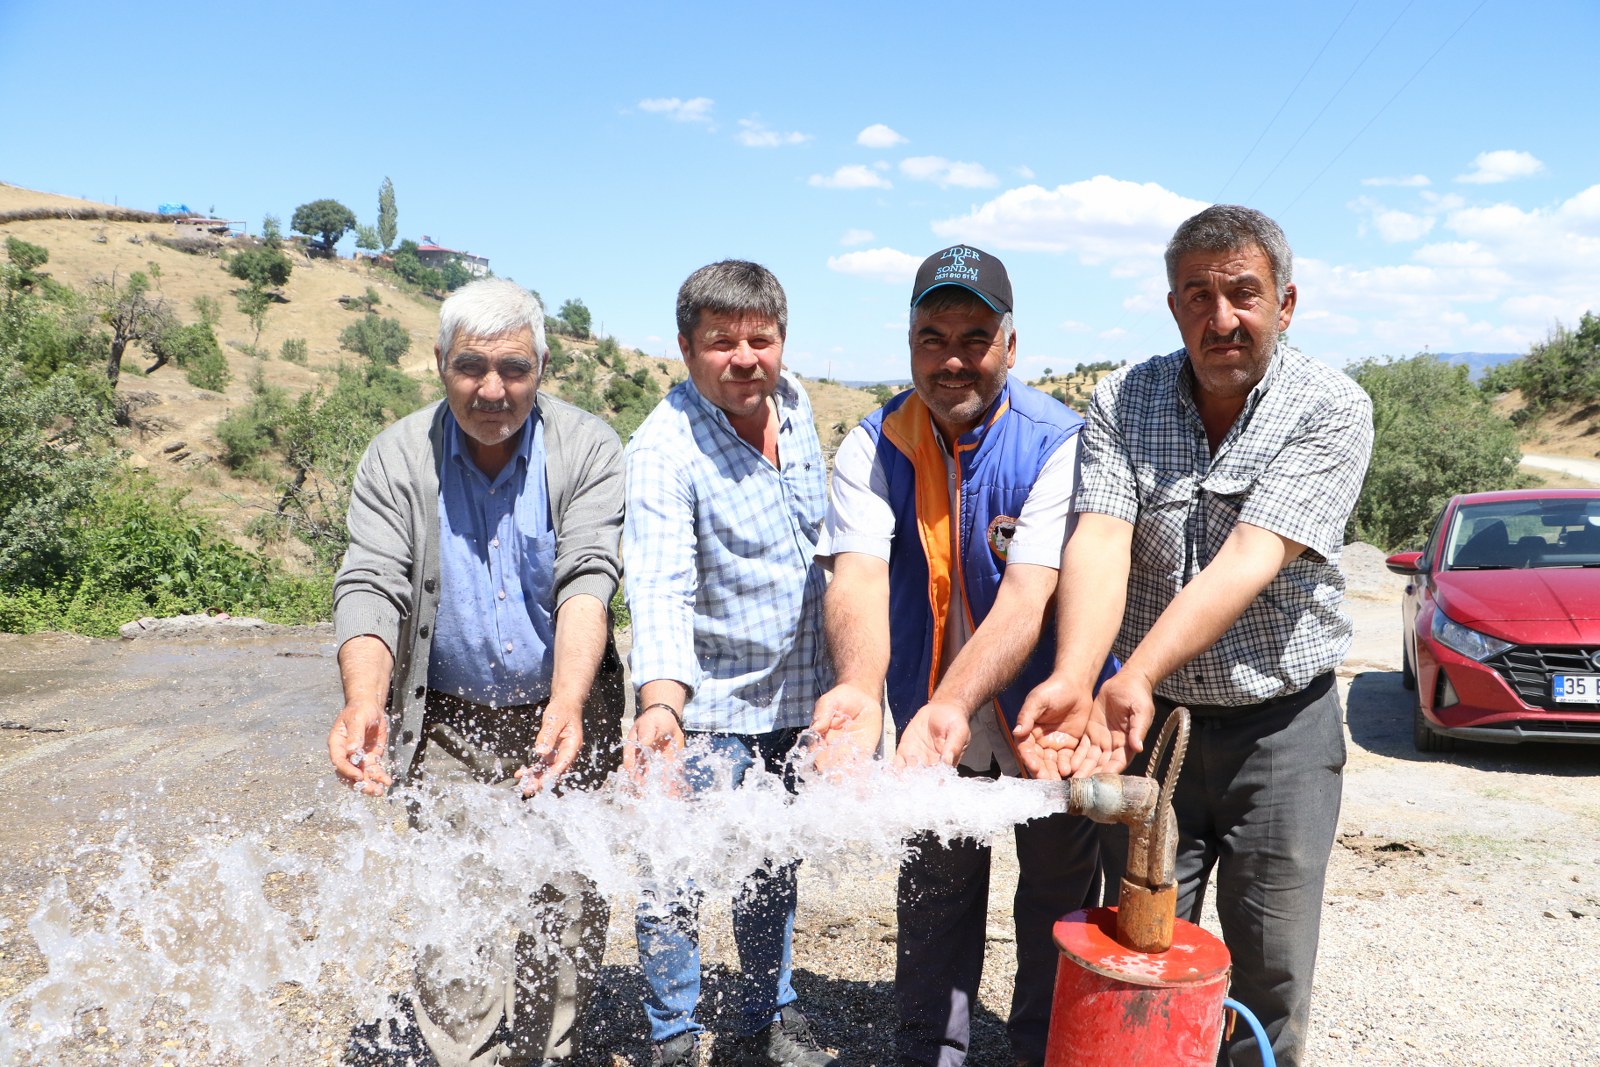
column 1462, row 923
column 1587, row 469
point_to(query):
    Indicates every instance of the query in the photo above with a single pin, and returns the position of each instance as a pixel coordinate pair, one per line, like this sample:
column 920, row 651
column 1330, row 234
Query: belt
column 1315, row 689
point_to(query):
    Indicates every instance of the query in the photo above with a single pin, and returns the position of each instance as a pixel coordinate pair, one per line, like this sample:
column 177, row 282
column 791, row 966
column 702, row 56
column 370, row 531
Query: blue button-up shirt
column 718, row 548
column 495, row 629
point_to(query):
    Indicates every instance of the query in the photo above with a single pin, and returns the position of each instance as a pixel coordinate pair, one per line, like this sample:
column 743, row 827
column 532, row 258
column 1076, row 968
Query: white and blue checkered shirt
column 718, row 553
column 1292, row 463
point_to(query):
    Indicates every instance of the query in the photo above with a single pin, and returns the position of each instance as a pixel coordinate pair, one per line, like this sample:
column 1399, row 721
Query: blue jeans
column 666, row 924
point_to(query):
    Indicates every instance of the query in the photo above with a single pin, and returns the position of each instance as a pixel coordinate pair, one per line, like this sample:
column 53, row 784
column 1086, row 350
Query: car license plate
column 1576, row 688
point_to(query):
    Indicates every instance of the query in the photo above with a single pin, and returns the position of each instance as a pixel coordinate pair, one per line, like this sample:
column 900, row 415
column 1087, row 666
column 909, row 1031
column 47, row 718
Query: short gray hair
column 951, row 297
column 729, row 288
column 491, row 307
column 1227, row 228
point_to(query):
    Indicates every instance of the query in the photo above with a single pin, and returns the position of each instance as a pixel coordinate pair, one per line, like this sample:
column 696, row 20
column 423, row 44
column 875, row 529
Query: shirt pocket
column 1223, row 494
column 1166, row 499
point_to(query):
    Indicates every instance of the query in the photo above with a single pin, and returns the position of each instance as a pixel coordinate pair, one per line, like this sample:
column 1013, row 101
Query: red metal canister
column 1115, row 1007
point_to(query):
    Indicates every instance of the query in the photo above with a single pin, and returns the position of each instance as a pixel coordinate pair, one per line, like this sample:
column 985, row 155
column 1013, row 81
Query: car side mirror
column 1404, row 563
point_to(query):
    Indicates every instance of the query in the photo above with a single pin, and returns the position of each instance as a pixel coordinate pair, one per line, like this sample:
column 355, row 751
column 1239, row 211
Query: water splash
column 236, row 950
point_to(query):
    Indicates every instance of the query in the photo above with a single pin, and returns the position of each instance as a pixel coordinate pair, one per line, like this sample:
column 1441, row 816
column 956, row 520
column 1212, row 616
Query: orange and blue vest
column 999, row 461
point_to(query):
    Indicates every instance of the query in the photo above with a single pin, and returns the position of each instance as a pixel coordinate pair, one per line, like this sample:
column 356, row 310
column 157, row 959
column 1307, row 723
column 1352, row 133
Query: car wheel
column 1408, row 673
column 1422, row 733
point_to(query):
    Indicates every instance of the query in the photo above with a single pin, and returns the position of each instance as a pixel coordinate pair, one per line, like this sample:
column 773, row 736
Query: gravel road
column 1462, row 922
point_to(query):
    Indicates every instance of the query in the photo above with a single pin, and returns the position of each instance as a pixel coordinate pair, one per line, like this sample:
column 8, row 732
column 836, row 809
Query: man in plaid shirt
column 725, row 500
column 1216, row 485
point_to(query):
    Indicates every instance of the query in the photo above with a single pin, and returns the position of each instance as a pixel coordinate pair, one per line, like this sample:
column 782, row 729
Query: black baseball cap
column 970, row 268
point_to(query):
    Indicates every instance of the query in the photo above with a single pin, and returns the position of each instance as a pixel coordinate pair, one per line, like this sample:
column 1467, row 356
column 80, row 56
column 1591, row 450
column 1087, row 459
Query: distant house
column 436, row 255
column 199, row 226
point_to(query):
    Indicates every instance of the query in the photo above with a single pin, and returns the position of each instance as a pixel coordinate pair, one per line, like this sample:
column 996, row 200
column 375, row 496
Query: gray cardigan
column 389, row 584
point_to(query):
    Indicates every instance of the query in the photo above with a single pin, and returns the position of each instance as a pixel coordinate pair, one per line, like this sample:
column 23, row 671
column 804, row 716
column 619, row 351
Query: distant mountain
column 900, row 384
column 1478, row 362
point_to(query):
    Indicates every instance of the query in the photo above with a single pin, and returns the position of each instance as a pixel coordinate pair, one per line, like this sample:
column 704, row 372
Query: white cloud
column 879, row 136
column 855, row 237
column 1101, row 220
column 1112, row 334
column 1392, row 225
column 1414, row 181
column 696, row 110
column 1024, row 172
column 754, row 134
column 851, row 176
column 946, row 173
column 1502, row 166
column 1074, row 326
column 883, row 264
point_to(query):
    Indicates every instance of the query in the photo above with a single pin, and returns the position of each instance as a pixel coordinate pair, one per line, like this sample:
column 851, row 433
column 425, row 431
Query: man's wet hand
column 1051, row 725
column 848, row 723
column 937, row 734
column 355, row 748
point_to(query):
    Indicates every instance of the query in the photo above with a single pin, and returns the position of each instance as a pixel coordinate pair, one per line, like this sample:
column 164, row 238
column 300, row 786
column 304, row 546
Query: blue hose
column 1267, row 1058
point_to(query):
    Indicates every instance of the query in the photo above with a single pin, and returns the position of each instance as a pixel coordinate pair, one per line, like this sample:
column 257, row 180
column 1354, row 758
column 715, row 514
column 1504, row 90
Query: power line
column 1305, row 74
column 1384, row 108
column 1332, row 98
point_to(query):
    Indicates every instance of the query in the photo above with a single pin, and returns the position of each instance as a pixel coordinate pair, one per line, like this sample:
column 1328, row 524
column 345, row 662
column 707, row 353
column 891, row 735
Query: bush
column 381, row 341
column 1564, row 368
column 261, row 267
column 137, row 551
column 293, row 350
column 1435, row 435
column 194, row 348
column 53, row 462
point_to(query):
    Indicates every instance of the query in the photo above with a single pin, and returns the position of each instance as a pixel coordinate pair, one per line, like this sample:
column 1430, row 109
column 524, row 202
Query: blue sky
column 1434, row 163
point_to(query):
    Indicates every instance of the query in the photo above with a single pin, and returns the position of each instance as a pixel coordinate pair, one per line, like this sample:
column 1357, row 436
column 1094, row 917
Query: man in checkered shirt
column 1216, row 486
column 725, row 498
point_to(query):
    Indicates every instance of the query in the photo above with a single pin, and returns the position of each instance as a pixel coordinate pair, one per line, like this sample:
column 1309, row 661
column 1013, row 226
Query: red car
column 1502, row 620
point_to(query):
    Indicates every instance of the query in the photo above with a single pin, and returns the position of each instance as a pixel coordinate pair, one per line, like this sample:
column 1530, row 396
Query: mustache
column 1237, row 337
column 953, row 378
column 496, row 408
column 756, row 375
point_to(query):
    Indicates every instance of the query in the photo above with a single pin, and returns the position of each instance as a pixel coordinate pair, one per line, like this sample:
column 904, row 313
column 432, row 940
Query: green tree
column 382, row 341
column 55, row 457
column 1563, row 368
column 455, row 273
column 263, row 267
column 367, row 238
column 132, row 313
column 408, row 265
column 577, row 318
column 254, row 302
column 271, row 231
column 388, row 217
column 326, row 220
column 1435, row 435
column 323, row 439
column 27, row 258
column 194, row 348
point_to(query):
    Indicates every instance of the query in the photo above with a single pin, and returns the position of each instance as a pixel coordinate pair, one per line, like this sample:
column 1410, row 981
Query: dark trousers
column 536, row 1013
column 1258, row 804
column 942, row 910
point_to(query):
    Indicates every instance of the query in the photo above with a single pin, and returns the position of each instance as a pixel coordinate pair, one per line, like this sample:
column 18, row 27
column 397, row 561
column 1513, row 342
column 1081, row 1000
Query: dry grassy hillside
column 173, row 424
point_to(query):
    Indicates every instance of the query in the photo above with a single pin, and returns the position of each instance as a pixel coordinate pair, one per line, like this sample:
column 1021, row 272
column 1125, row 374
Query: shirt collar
column 785, row 395
column 1257, row 391
column 456, row 449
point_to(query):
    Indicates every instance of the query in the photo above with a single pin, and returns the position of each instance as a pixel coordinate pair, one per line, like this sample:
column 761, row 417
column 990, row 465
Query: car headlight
column 1465, row 640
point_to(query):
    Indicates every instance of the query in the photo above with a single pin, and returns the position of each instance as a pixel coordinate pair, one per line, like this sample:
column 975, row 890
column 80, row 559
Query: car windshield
column 1552, row 532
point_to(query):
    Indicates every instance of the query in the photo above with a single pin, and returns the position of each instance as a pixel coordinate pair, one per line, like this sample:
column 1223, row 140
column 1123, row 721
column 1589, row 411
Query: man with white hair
column 472, row 614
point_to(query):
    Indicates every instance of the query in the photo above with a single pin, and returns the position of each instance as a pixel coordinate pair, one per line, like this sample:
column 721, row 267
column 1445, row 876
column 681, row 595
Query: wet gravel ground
column 1462, row 921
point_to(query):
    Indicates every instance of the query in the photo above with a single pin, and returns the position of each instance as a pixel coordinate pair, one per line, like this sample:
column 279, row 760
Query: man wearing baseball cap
column 949, row 511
